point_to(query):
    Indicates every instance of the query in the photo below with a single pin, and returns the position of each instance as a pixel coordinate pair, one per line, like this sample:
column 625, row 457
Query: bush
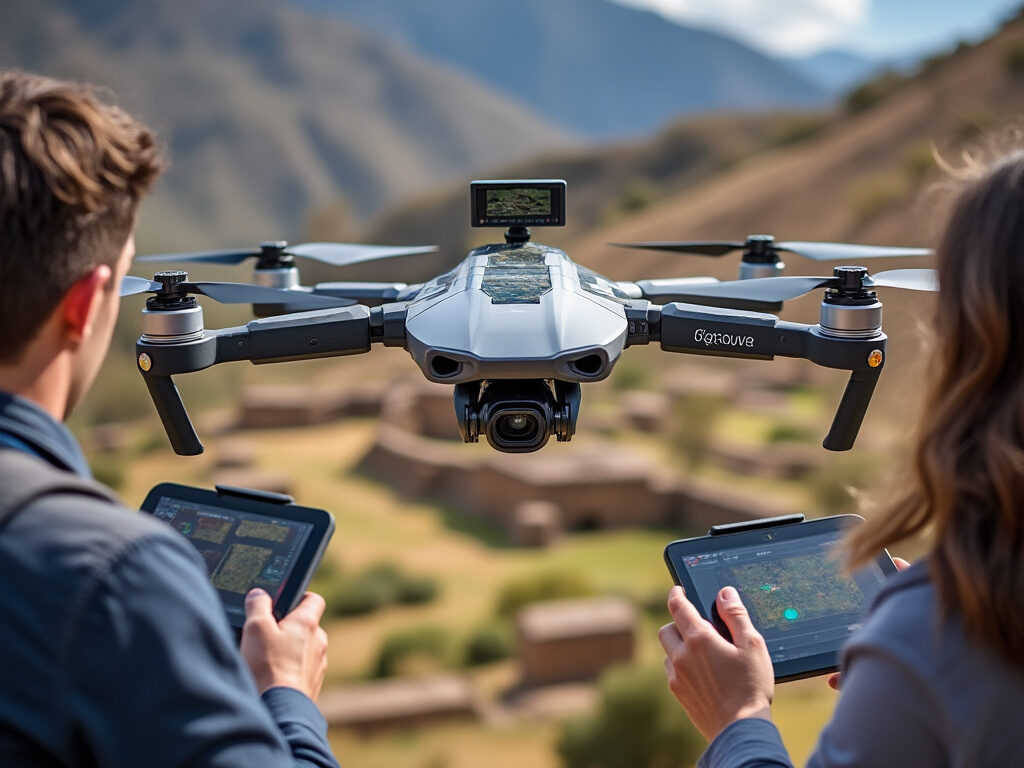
column 412, row 650
column 490, row 642
column 638, row 724
column 416, row 590
column 541, row 586
column 374, row 588
column 788, row 433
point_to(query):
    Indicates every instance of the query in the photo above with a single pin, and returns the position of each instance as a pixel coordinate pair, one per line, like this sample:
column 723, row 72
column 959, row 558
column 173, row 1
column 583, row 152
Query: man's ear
column 82, row 302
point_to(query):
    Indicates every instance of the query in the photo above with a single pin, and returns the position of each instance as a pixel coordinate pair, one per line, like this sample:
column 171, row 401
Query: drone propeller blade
column 911, row 279
column 763, row 289
column 703, row 248
column 234, row 256
column 343, row 254
column 131, row 285
column 847, row 251
column 240, row 293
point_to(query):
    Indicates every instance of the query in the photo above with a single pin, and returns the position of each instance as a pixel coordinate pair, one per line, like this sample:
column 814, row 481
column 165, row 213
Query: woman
column 936, row 674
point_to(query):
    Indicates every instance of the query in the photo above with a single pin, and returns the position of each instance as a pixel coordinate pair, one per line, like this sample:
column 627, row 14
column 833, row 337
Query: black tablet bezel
column 312, row 551
column 790, row 669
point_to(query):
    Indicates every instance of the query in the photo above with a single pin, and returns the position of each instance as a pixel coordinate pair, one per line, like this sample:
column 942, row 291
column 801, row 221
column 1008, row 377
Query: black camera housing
column 517, row 415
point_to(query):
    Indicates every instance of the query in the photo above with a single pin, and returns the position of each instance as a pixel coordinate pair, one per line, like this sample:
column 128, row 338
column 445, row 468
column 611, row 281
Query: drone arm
column 301, row 336
column 686, row 328
column 297, row 336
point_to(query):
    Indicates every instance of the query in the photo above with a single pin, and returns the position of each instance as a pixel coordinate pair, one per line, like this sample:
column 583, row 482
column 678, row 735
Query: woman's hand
column 716, row 681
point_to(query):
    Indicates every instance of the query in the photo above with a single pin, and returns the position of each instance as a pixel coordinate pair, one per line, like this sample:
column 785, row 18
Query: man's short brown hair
column 72, row 170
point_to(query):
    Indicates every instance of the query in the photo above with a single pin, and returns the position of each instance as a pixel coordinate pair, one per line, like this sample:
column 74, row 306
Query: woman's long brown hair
column 967, row 482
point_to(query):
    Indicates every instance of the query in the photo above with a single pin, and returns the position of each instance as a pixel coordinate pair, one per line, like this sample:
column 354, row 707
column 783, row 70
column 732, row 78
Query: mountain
column 270, row 111
column 599, row 69
column 836, row 70
column 606, row 183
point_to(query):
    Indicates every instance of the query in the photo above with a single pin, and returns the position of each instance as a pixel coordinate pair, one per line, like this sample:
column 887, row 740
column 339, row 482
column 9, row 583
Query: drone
column 517, row 326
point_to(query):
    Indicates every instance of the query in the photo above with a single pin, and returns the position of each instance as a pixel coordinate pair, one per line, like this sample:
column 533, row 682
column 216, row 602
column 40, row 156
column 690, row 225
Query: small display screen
column 519, row 203
column 242, row 550
column 799, row 596
column 525, row 201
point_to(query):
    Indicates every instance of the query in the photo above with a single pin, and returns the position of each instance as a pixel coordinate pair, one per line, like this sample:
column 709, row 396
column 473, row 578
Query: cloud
column 784, row 27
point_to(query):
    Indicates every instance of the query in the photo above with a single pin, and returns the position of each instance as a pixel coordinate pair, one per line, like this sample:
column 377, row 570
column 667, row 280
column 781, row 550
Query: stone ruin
column 571, row 640
column 535, row 497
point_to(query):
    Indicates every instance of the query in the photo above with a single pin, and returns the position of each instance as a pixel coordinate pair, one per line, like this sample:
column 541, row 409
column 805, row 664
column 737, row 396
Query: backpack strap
column 25, row 478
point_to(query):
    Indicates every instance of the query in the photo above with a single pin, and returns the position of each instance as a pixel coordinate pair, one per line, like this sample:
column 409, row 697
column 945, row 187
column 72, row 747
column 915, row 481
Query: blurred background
column 501, row 608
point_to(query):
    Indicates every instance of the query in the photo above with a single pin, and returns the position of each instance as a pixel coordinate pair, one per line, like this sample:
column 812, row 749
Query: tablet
column 791, row 579
column 248, row 539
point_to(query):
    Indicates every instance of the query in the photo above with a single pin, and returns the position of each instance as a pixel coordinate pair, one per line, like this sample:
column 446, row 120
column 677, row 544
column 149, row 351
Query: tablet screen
column 242, row 549
column 797, row 592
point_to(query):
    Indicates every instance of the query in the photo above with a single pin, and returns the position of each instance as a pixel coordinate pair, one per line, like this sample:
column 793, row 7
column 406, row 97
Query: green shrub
column 416, row 590
column 413, row 649
column 491, row 642
column 637, row 724
column 789, row 433
column 371, row 589
column 537, row 587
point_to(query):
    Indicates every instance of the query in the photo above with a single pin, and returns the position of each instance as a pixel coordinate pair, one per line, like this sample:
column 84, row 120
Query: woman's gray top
column 915, row 692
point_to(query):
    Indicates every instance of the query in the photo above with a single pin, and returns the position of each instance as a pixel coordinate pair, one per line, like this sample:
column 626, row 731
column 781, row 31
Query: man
column 115, row 650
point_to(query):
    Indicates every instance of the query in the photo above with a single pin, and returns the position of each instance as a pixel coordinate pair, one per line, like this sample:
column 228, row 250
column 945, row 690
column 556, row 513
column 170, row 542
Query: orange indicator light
column 875, row 358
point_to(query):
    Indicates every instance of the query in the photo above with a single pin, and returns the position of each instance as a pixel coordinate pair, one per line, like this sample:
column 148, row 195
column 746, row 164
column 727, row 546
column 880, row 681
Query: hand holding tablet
column 790, row 579
column 248, row 539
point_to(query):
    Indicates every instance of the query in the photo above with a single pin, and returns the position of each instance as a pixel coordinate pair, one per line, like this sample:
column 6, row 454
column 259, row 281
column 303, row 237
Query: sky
column 880, row 28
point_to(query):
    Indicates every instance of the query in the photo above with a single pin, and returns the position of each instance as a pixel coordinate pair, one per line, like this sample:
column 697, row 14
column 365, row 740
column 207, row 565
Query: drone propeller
column 775, row 289
column 173, row 283
column 277, row 253
column 765, row 245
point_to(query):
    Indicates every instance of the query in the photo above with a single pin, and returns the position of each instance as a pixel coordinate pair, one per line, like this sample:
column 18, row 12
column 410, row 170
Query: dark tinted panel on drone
column 516, row 275
column 520, row 203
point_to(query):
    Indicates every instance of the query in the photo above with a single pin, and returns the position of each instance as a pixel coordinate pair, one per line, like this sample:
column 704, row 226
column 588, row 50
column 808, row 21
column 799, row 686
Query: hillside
column 598, row 68
column 271, row 112
column 605, row 184
column 863, row 173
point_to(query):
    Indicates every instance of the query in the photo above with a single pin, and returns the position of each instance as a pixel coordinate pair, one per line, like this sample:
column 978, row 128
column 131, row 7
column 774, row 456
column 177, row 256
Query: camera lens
column 517, row 428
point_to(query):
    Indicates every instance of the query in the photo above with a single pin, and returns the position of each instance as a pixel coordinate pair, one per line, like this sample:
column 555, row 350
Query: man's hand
column 291, row 652
column 716, row 681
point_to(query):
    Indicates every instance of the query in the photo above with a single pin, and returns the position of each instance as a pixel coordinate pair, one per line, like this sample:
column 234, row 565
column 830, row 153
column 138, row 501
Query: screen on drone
column 522, row 201
column 797, row 593
column 242, row 550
